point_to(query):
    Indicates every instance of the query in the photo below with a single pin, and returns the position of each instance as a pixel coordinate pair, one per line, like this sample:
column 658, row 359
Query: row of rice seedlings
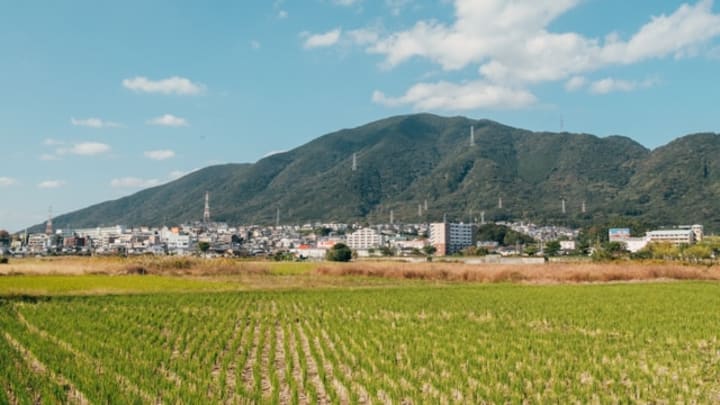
column 19, row 383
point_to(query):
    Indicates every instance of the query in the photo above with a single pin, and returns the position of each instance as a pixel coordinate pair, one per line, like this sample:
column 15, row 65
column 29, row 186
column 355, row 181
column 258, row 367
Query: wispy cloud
column 611, row 85
column 52, row 142
column 172, row 85
column 133, row 182
column 273, row 152
column 346, row 3
column 450, row 96
column 94, row 123
column 575, row 83
column 7, row 181
column 329, row 38
column 50, row 184
column 176, row 174
column 169, row 120
column 159, row 154
column 49, row 157
column 85, row 149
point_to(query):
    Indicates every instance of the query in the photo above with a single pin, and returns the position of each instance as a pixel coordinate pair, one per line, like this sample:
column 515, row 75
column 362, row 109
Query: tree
column 698, row 252
column 429, row 250
column 387, row 251
column 4, row 237
column 339, row 253
column 552, row 248
column 204, row 246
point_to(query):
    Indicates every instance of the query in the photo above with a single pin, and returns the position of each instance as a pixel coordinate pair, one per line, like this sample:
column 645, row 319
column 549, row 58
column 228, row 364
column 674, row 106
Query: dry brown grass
column 263, row 274
column 547, row 273
column 175, row 266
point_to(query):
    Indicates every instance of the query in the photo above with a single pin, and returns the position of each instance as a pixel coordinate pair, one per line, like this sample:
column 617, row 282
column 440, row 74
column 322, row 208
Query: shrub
column 3, row 260
column 339, row 253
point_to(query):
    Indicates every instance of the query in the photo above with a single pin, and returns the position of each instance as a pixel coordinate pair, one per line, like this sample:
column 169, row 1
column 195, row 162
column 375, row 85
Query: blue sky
column 99, row 99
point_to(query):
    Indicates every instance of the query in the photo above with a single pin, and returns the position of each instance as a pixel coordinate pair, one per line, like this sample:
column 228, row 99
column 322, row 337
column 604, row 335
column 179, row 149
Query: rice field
column 453, row 343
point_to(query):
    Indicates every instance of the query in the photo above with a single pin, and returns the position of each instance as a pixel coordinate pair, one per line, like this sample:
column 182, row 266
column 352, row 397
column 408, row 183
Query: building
column 365, row 238
column 449, row 238
column 674, row 236
column 567, row 245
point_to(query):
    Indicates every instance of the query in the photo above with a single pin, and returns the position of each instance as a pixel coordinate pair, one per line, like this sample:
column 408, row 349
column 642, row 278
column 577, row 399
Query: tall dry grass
column 157, row 265
column 547, row 273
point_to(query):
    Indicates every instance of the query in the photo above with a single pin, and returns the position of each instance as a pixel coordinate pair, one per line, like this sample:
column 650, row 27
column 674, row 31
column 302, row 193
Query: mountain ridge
column 402, row 161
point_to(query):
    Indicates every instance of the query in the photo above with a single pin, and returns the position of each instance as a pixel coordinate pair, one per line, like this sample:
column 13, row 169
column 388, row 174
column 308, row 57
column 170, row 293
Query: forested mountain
column 404, row 161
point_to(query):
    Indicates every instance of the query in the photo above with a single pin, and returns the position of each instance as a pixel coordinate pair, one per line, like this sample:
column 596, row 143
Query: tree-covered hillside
column 404, row 161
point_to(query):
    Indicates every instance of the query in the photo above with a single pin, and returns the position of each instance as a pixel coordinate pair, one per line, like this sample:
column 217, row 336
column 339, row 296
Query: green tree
column 531, row 250
column 429, row 250
column 387, row 251
column 698, row 252
column 552, row 248
column 339, row 253
column 204, row 246
column 4, row 237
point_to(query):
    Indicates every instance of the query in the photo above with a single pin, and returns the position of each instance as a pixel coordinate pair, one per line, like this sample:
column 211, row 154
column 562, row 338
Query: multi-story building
column 674, row 236
column 365, row 238
column 449, row 238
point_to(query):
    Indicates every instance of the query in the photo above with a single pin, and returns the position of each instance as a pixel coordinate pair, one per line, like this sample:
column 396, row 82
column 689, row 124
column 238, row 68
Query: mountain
column 405, row 160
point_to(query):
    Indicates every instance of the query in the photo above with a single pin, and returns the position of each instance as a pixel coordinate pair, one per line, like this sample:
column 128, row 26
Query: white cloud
column 171, row 85
column 255, row 44
column 575, row 83
column 48, row 184
column 510, row 41
column 346, row 2
column 511, row 45
column 364, row 36
column 94, row 123
column 169, row 120
column 48, row 157
column 321, row 40
column 7, row 181
column 281, row 13
column 52, row 142
column 85, row 149
column 273, row 152
column 453, row 97
column 133, row 182
column 610, row 85
column 176, row 174
column 159, row 154
column 396, row 6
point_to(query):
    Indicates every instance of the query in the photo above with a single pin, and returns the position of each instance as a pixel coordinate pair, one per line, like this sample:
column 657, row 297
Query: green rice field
column 497, row 343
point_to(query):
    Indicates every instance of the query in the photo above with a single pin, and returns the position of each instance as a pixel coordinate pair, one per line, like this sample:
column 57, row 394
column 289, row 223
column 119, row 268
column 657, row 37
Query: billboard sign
column 618, row 234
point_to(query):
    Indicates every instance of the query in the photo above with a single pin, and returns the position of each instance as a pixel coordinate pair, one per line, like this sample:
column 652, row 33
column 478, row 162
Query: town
column 311, row 241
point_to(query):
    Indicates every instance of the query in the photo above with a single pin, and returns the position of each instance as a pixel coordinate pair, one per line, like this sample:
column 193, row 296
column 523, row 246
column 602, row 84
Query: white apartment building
column 449, row 238
column 365, row 238
column 674, row 236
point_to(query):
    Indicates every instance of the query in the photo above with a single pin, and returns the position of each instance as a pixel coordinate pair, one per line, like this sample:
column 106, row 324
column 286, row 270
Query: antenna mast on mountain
column 482, row 217
column 426, row 204
column 277, row 218
column 354, row 162
column 472, row 136
column 584, row 207
column 564, row 211
column 206, row 213
column 49, row 224
column 420, row 210
column 392, row 217
column 500, row 205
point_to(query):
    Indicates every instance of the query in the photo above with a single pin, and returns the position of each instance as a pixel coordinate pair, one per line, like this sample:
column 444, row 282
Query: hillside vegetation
column 404, row 161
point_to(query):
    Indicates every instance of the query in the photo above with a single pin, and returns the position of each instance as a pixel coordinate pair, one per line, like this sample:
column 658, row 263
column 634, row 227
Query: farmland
column 404, row 341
